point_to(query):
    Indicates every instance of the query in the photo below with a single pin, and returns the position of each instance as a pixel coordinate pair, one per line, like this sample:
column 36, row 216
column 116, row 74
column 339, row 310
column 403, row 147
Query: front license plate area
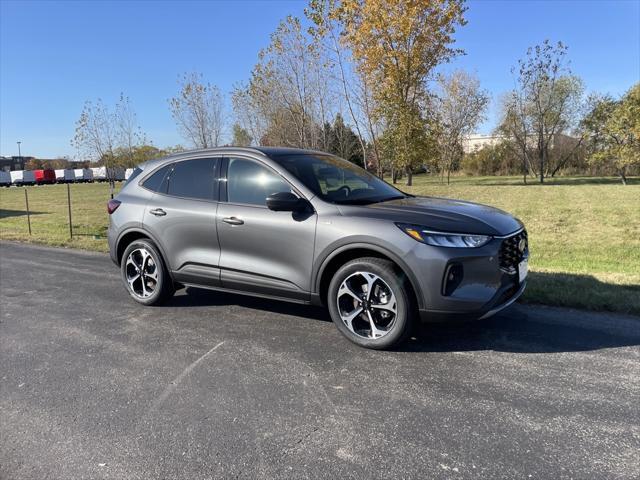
column 523, row 269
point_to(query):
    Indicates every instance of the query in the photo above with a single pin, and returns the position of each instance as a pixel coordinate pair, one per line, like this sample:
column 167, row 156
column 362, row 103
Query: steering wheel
column 346, row 188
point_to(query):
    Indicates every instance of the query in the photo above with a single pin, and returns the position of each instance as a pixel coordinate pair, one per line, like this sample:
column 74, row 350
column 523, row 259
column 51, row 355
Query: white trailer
column 69, row 175
column 16, row 177
column 99, row 174
column 5, row 179
column 59, row 175
column 83, row 174
column 128, row 173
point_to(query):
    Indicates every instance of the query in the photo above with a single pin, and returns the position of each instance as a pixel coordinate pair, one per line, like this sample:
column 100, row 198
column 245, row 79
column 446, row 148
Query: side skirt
column 248, row 294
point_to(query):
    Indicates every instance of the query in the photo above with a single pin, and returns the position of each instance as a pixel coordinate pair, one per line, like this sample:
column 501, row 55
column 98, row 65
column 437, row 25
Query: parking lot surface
column 224, row 386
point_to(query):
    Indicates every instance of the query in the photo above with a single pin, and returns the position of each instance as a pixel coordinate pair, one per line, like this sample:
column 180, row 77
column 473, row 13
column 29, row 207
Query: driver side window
column 251, row 183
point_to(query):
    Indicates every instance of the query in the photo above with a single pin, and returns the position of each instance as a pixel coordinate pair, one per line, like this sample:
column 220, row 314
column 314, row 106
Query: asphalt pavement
column 214, row 385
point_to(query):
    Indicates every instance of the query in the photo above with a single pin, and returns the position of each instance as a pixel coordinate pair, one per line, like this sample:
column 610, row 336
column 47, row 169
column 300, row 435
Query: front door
column 263, row 251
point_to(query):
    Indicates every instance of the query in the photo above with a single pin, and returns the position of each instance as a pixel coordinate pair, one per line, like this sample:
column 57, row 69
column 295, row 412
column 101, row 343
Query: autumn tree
column 351, row 85
column 613, row 132
column 397, row 44
column 546, row 103
column 459, row 106
column 198, row 111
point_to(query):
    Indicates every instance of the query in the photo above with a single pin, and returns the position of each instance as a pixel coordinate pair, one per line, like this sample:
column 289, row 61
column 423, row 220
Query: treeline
column 361, row 80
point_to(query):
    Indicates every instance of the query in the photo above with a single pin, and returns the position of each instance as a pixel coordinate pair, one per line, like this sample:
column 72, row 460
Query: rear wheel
column 371, row 304
column 144, row 273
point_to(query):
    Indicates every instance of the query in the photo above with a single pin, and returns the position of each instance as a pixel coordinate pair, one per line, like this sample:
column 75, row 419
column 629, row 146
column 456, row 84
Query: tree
column 128, row 132
column 459, row 107
column 241, row 137
column 546, row 102
column 197, row 111
column 288, row 91
column 397, row 44
column 343, row 142
column 613, row 129
column 96, row 135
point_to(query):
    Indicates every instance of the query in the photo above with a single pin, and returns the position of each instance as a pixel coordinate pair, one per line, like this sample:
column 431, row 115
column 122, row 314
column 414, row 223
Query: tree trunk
column 409, row 177
column 623, row 177
column 394, row 175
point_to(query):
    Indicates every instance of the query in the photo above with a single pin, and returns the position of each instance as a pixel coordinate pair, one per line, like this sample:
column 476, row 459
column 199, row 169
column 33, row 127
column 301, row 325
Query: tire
column 388, row 284
column 156, row 286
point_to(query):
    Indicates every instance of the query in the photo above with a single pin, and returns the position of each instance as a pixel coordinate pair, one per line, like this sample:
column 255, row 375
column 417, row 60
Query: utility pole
column 20, row 154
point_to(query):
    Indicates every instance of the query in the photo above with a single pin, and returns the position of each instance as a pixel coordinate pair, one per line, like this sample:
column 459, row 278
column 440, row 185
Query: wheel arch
column 133, row 234
column 341, row 255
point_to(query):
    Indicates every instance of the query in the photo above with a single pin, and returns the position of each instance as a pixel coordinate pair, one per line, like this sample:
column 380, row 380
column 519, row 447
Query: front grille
column 511, row 254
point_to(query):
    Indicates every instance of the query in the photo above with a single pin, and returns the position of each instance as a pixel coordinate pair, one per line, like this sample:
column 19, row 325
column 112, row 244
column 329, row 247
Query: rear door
column 262, row 251
column 181, row 216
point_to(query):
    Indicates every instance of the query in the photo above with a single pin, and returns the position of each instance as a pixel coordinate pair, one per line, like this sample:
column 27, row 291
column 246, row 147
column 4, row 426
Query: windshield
column 336, row 180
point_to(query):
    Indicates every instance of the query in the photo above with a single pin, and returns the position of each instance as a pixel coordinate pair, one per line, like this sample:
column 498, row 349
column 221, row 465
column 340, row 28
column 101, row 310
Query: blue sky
column 55, row 55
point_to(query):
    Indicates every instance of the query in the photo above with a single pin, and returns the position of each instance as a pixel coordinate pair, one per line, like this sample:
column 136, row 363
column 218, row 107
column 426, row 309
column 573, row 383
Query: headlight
column 441, row 239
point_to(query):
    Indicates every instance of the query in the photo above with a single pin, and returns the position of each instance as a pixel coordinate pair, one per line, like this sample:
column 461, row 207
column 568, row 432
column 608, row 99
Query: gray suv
column 312, row 228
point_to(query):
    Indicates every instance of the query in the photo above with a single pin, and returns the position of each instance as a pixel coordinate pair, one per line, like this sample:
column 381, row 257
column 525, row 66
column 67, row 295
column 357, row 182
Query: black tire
column 164, row 288
column 402, row 325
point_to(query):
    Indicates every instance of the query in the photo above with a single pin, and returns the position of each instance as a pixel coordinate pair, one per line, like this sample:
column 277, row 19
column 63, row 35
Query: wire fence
column 57, row 214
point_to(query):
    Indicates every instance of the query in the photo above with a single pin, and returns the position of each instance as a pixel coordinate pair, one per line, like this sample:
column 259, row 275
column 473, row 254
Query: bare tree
column 96, row 133
column 460, row 107
column 198, row 111
column 108, row 135
column 128, row 131
column 546, row 102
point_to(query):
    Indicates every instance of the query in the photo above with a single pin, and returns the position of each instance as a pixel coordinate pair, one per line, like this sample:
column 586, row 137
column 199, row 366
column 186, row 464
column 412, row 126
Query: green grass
column 49, row 215
column 584, row 232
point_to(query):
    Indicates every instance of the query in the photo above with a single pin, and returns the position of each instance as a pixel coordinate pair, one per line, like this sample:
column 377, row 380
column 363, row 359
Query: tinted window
column 156, row 181
column 193, row 179
column 251, row 183
column 336, row 180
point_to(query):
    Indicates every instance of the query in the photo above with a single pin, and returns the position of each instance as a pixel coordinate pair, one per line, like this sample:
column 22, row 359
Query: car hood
column 443, row 214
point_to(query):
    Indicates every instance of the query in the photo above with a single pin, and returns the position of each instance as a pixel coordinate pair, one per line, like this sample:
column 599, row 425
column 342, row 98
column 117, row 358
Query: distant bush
column 492, row 160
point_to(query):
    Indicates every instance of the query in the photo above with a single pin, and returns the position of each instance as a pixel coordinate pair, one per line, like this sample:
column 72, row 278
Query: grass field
column 584, row 232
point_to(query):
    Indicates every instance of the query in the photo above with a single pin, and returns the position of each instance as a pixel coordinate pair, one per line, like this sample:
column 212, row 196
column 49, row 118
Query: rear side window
column 193, row 179
column 157, row 181
column 133, row 175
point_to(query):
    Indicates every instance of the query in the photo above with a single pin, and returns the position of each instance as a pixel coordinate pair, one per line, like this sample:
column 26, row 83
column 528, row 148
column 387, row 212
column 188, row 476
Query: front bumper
column 485, row 288
column 502, row 301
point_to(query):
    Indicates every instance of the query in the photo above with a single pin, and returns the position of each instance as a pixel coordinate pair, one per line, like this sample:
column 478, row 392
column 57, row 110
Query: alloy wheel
column 367, row 305
column 141, row 273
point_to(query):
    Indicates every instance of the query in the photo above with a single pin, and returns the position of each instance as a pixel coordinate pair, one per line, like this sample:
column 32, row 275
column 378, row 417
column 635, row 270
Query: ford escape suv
column 309, row 227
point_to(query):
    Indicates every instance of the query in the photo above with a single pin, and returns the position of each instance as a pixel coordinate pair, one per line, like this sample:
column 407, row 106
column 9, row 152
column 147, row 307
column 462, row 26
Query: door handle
column 233, row 221
column 158, row 212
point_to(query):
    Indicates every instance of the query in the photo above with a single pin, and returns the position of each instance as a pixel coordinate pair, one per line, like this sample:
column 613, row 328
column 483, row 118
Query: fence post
column 69, row 205
column 26, row 200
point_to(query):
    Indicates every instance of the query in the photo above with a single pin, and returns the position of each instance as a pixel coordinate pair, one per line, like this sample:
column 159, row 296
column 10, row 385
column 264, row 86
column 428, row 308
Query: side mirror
column 285, row 202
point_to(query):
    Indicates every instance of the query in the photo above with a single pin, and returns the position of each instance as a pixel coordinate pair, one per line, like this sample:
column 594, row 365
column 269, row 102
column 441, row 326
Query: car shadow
column 4, row 213
column 519, row 329
column 201, row 297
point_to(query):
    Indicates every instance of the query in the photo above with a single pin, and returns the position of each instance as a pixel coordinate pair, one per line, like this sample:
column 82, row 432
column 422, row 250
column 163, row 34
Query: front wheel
column 144, row 273
column 370, row 302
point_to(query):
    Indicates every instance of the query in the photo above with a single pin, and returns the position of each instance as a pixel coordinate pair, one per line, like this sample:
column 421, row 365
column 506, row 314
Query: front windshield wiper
column 369, row 201
column 388, row 199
